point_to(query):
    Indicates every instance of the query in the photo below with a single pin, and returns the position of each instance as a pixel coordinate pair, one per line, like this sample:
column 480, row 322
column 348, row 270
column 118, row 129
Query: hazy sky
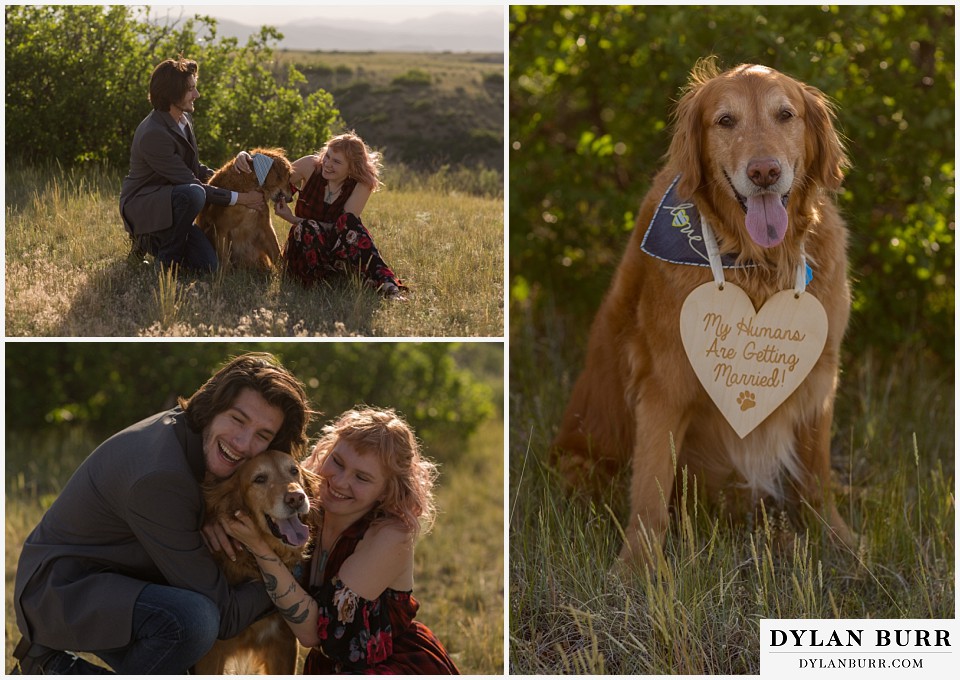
column 259, row 14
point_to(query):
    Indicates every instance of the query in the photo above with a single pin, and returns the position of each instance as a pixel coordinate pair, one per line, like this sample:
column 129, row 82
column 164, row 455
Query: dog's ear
column 687, row 142
column 281, row 168
column 685, row 146
column 826, row 158
column 222, row 497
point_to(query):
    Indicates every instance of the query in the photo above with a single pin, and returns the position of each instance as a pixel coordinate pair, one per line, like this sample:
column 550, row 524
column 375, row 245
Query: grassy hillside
column 424, row 110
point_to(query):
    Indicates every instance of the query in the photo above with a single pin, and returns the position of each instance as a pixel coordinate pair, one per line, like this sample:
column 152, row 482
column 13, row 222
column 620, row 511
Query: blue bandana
column 675, row 235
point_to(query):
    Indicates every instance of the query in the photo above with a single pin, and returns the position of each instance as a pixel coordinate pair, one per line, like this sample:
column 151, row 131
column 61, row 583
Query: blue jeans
column 183, row 243
column 173, row 628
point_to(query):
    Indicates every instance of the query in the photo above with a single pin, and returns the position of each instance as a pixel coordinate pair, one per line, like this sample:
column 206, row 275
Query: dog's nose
column 294, row 499
column 763, row 172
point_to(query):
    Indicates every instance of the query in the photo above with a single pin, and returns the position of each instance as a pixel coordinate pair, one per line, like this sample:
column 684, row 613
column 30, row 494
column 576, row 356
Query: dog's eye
column 785, row 114
column 726, row 121
column 260, row 479
column 295, row 471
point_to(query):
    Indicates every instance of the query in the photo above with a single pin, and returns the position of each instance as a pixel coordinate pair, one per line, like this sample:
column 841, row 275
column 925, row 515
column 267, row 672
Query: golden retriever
column 757, row 154
column 245, row 236
column 275, row 492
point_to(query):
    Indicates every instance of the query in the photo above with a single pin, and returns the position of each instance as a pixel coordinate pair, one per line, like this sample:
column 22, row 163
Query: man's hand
column 251, row 199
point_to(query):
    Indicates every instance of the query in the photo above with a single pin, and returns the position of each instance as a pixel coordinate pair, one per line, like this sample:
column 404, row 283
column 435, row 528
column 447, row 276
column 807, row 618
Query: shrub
column 413, row 78
column 81, row 74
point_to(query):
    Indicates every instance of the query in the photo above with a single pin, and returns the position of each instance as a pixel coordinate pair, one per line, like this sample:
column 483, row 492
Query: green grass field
column 572, row 611
column 449, row 72
column 459, row 564
column 67, row 271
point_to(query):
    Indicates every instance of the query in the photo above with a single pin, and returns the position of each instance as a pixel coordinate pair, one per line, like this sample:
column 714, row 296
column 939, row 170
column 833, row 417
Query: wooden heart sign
column 749, row 362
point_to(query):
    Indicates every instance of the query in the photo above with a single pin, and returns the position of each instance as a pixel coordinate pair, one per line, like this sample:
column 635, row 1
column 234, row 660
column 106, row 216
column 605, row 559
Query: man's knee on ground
column 188, row 200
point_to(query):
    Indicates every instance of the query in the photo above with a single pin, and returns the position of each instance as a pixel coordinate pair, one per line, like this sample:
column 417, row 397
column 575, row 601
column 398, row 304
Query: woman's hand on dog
column 243, row 162
column 283, row 210
column 217, row 540
column 241, row 528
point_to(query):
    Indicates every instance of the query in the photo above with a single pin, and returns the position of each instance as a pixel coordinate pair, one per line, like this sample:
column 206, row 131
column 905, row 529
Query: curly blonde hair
column 364, row 163
column 408, row 495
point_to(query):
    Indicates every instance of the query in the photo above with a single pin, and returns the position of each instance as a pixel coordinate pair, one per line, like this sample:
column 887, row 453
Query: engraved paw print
column 747, row 400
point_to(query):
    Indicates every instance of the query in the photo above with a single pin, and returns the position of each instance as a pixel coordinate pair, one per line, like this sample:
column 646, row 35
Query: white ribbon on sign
column 716, row 265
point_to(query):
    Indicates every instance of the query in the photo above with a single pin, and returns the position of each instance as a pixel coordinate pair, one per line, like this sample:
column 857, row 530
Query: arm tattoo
column 271, row 584
column 267, row 558
column 293, row 613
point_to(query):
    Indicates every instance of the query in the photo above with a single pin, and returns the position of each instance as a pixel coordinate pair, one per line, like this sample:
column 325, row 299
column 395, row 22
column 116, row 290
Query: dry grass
column 571, row 611
column 460, row 562
column 67, row 272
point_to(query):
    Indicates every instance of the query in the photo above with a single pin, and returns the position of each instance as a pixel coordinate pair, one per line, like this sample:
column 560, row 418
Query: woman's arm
column 358, row 199
column 281, row 209
column 295, row 605
column 302, row 169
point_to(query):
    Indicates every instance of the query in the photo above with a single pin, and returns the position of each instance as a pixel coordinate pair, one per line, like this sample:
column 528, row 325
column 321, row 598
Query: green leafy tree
column 77, row 78
column 591, row 91
column 249, row 106
column 74, row 81
column 106, row 387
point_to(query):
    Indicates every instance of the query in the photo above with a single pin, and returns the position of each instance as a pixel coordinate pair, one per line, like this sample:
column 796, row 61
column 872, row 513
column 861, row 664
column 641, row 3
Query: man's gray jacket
column 162, row 156
column 129, row 516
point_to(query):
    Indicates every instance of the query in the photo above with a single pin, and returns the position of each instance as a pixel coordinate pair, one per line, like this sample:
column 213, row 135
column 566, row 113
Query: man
column 166, row 188
column 118, row 565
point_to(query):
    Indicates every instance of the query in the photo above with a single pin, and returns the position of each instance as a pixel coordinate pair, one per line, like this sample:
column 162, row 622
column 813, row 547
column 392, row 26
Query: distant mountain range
column 441, row 32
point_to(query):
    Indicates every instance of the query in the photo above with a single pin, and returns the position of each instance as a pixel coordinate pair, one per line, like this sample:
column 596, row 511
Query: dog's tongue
column 294, row 531
column 766, row 220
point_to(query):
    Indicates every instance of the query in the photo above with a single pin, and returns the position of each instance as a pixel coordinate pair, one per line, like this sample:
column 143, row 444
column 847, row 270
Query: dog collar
column 261, row 165
column 675, row 234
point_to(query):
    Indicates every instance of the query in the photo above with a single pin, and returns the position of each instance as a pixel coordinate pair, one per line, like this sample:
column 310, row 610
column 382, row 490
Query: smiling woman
column 357, row 612
column 134, row 555
column 351, row 481
column 328, row 239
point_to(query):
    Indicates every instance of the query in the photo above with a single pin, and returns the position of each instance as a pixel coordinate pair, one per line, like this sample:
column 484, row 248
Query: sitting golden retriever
column 245, row 236
column 755, row 155
column 275, row 492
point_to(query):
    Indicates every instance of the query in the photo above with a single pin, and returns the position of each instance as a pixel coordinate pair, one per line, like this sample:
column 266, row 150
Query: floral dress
column 330, row 242
column 359, row 636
